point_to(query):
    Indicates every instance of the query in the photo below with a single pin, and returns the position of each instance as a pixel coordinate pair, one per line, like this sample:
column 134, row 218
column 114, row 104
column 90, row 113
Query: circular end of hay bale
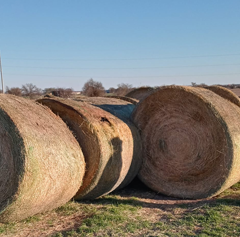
column 225, row 93
column 107, row 143
column 140, row 93
column 187, row 144
column 41, row 163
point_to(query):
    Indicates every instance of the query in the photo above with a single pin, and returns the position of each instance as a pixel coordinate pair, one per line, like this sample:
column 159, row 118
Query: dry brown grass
column 109, row 145
column 42, row 164
column 190, row 142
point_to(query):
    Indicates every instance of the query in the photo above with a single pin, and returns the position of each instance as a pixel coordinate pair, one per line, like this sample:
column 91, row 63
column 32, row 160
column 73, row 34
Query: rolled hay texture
column 140, row 93
column 225, row 93
column 191, row 142
column 110, row 146
column 42, row 164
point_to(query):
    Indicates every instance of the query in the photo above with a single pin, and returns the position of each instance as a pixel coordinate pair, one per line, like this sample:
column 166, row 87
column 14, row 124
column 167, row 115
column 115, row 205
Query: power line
column 228, row 74
column 1, row 74
column 123, row 59
column 212, row 65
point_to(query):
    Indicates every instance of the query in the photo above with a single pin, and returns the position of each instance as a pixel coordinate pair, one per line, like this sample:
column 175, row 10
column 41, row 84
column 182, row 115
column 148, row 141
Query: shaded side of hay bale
column 140, row 93
column 42, row 164
column 225, row 93
column 106, row 141
column 123, row 110
column 191, row 140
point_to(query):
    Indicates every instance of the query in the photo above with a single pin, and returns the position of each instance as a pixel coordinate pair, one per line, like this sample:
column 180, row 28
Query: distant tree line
column 91, row 88
column 229, row 86
column 32, row 91
column 94, row 88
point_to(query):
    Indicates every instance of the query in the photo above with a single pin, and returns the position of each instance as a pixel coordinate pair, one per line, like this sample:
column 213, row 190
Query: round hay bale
column 225, row 93
column 190, row 142
column 140, row 93
column 42, row 165
column 109, row 145
column 125, row 98
column 123, row 110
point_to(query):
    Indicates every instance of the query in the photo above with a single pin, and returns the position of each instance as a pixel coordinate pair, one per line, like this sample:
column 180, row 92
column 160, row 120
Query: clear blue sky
column 60, row 43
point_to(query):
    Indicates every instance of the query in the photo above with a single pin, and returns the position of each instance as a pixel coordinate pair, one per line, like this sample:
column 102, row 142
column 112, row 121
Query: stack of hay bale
column 46, row 162
column 181, row 141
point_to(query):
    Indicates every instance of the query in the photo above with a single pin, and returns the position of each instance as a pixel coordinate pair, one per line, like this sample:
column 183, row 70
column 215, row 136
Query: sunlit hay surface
column 225, row 93
column 140, row 93
column 191, row 140
column 123, row 110
column 41, row 163
column 107, row 144
column 125, row 98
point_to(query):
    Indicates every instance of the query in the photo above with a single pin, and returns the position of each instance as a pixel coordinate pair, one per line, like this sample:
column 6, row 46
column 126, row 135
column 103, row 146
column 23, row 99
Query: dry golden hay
column 191, row 140
column 225, row 93
column 125, row 98
column 140, row 93
column 110, row 146
column 42, row 164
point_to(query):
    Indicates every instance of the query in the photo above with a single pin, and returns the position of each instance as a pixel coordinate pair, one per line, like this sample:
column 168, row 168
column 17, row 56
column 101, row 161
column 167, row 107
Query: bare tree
column 123, row 89
column 112, row 90
column 60, row 92
column 14, row 91
column 93, row 88
column 49, row 90
column 31, row 90
column 63, row 92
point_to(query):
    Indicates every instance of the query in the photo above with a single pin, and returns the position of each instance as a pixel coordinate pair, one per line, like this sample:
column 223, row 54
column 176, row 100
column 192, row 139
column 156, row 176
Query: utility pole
column 1, row 74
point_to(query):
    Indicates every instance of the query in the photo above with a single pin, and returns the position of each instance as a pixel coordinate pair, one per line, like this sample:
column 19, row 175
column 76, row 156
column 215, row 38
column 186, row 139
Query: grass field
column 136, row 211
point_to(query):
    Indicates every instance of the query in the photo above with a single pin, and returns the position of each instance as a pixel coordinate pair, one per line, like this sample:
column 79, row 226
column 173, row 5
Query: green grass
column 126, row 215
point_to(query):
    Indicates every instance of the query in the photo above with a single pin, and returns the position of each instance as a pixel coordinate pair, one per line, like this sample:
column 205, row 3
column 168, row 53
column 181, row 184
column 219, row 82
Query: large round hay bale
column 42, row 164
column 109, row 145
column 123, row 110
column 140, row 93
column 225, row 93
column 190, row 142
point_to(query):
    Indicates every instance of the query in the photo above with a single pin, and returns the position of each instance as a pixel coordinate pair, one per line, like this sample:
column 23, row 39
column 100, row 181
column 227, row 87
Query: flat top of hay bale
column 125, row 98
column 119, row 108
column 140, row 93
column 189, row 136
